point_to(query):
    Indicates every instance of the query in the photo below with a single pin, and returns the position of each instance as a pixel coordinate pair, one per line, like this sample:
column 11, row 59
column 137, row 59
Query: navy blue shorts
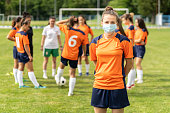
column 81, row 50
column 113, row 99
column 15, row 52
column 72, row 63
column 23, row 57
column 139, row 51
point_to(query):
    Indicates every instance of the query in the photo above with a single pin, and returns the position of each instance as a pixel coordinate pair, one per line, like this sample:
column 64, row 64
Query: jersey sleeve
column 91, row 32
column 44, row 32
column 127, row 49
column 131, row 34
column 92, row 49
column 12, row 33
column 25, row 40
column 63, row 27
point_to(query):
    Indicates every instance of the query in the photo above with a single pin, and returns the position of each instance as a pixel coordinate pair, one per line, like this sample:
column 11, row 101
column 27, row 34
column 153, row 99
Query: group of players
column 107, row 51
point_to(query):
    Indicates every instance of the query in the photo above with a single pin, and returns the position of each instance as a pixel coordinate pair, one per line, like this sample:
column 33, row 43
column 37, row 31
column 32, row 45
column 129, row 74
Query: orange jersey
column 73, row 39
column 110, row 54
column 21, row 40
column 12, row 33
column 86, row 29
column 130, row 32
column 141, row 34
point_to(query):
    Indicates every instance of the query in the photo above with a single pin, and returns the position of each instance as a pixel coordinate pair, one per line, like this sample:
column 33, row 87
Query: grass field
column 153, row 96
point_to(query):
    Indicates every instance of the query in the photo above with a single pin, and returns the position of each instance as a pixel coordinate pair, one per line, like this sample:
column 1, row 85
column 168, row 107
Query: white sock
column 139, row 74
column 59, row 74
column 72, row 83
column 53, row 72
column 33, row 78
column 45, row 72
column 133, row 76
column 15, row 74
column 130, row 74
column 87, row 67
column 20, row 77
column 79, row 68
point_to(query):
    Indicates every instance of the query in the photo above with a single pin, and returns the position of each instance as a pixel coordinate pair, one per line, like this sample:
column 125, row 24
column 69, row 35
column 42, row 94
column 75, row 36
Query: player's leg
column 139, row 70
column 118, row 110
column 20, row 74
column 55, row 53
column 79, row 66
column 72, row 71
column 45, row 67
column 60, row 69
column 100, row 110
column 15, row 68
column 87, row 65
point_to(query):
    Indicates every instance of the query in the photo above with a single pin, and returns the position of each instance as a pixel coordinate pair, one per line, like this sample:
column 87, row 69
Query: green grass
column 153, row 96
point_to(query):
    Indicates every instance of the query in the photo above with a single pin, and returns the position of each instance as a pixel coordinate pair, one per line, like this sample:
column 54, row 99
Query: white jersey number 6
column 17, row 41
column 72, row 42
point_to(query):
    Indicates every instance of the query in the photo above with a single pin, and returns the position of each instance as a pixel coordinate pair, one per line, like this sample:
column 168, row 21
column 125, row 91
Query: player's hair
column 109, row 10
column 26, row 15
column 128, row 16
column 71, row 22
column 25, row 23
column 141, row 24
column 83, row 18
column 16, row 20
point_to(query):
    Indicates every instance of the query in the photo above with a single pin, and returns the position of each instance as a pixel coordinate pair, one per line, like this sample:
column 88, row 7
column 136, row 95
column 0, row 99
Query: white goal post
column 89, row 9
column 3, row 18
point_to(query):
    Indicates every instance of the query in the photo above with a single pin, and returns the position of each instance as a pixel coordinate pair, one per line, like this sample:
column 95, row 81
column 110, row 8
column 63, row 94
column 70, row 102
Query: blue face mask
column 109, row 27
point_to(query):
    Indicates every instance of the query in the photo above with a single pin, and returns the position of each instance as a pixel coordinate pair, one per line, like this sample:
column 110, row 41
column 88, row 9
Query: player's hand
column 41, row 48
column 31, row 59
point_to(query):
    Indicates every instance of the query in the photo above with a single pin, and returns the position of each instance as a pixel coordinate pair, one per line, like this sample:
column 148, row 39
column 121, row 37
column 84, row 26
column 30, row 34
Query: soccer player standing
column 108, row 52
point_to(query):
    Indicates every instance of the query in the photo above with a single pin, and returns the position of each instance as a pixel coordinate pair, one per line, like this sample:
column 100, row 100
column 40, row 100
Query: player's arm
column 128, row 65
column 92, row 35
column 84, row 49
column 95, row 62
column 10, row 38
column 28, row 52
column 42, row 42
column 59, row 40
column 62, row 22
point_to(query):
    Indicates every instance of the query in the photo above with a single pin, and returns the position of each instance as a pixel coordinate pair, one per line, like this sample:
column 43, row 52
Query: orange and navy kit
column 141, row 34
column 21, row 41
column 73, row 39
column 110, row 54
column 130, row 32
column 86, row 29
column 139, row 49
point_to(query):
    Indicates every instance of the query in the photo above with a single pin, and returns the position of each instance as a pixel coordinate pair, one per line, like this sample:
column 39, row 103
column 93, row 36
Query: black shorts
column 15, row 52
column 113, row 99
column 23, row 57
column 72, row 63
column 139, row 51
column 81, row 50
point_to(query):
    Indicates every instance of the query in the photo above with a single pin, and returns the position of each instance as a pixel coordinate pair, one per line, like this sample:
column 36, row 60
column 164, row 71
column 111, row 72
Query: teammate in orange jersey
column 24, row 56
column 139, row 48
column 108, row 52
column 82, row 25
column 130, row 32
column 73, row 39
column 16, row 24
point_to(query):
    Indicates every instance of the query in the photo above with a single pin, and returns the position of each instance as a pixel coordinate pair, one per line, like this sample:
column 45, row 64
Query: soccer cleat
column 139, row 81
column 87, row 73
column 40, row 86
column 133, row 85
column 70, row 94
column 45, row 76
column 24, row 86
column 80, row 74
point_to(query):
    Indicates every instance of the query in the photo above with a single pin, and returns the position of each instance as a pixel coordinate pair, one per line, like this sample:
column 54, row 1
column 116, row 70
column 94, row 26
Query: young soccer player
column 73, row 39
column 139, row 48
column 108, row 52
column 16, row 24
column 24, row 56
column 130, row 32
column 27, row 17
column 82, row 25
column 49, row 45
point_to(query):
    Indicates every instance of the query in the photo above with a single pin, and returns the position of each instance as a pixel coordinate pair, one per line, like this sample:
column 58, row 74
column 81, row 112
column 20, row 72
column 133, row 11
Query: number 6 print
column 72, row 42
